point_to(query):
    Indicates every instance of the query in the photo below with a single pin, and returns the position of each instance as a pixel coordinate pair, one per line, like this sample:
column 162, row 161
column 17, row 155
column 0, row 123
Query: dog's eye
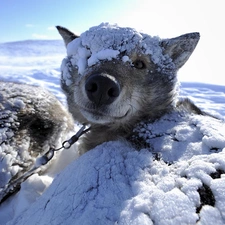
column 139, row 64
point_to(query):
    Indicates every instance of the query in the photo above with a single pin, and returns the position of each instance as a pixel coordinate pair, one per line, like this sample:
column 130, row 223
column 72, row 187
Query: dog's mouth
column 101, row 117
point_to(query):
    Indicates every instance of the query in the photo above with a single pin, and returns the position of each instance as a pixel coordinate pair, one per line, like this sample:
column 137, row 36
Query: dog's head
column 115, row 75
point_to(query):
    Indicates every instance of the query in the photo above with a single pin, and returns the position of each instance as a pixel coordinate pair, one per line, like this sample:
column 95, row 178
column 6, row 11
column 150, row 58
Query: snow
column 114, row 183
column 124, row 186
column 107, row 42
column 108, row 54
column 178, row 137
column 33, row 62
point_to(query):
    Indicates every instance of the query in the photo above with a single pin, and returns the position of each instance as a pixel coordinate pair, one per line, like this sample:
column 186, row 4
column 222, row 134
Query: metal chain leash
column 43, row 160
column 65, row 145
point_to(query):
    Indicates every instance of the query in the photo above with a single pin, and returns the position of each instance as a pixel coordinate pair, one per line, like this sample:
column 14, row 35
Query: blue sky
column 35, row 19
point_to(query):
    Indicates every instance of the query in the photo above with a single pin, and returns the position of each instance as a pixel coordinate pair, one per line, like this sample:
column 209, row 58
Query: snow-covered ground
column 38, row 62
column 33, row 62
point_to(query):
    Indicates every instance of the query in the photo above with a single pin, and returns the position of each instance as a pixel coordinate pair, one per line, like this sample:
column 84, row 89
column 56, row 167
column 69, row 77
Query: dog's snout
column 102, row 89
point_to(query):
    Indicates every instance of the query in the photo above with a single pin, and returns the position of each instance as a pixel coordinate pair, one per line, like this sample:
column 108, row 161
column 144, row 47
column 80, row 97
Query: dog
column 115, row 77
column 32, row 120
column 124, row 84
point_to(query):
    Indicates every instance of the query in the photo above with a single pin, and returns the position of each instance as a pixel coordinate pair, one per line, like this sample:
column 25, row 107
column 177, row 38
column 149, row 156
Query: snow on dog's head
column 116, row 76
column 107, row 42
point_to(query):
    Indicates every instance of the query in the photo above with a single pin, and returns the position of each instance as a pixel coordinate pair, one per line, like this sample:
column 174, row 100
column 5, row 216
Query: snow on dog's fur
column 115, row 77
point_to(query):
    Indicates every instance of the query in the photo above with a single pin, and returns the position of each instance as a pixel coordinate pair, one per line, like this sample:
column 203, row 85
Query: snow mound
column 183, row 183
column 180, row 136
column 107, row 42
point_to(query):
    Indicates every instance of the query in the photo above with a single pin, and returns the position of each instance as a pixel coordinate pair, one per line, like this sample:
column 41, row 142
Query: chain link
column 43, row 160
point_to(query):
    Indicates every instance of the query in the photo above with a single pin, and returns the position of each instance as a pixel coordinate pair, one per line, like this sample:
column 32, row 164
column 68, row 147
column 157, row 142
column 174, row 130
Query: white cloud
column 29, row 25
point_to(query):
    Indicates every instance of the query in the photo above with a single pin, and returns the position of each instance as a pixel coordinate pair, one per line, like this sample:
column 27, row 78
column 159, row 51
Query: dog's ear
column 66, row 34
column 180, row 48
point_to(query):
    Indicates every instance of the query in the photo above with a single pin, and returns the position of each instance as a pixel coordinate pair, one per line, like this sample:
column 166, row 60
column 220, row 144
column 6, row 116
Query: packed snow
column 114, row 183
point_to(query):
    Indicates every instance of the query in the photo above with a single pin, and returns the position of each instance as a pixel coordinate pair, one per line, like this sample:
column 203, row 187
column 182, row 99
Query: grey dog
column 115, row 77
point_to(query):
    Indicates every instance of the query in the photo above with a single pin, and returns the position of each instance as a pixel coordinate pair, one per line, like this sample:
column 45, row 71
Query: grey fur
column 145, row 90
column 68, row 36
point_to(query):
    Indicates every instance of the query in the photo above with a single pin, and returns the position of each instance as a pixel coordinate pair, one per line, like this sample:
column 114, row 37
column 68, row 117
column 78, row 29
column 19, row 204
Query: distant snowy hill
column 32, row 48
column 33, row 62
column 114, row 184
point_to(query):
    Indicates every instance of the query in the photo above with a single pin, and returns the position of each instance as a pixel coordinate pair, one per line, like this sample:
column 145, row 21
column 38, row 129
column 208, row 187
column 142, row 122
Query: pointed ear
column 66, row 34
column 180, row 48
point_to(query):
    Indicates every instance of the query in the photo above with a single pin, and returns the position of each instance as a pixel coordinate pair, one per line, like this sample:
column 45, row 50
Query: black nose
column 102, row 89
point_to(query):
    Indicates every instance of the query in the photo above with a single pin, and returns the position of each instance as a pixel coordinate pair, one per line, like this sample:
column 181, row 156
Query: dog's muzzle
column 102, row 89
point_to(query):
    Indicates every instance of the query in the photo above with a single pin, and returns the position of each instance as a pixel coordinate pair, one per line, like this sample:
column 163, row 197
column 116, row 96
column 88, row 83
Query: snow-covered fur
column 32, row 120
column 115, row 77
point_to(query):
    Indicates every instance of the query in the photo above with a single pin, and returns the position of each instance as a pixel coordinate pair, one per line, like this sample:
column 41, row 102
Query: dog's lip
column 96, row 112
